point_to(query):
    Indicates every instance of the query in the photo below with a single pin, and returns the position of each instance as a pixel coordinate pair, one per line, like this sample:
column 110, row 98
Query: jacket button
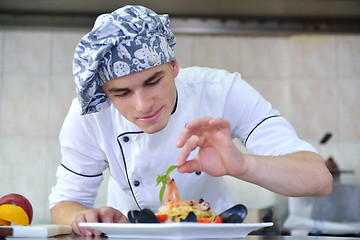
column 198, row 172
column 136, row 183
column 126, row 139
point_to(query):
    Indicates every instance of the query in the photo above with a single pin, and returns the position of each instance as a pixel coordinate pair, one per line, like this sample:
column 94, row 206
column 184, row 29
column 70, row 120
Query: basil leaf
column 162, row 191
column 162, row 179
column 170, row 169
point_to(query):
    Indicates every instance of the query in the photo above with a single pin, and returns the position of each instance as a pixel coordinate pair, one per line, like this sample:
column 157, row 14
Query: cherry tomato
column 162, row 217
column 218, row 219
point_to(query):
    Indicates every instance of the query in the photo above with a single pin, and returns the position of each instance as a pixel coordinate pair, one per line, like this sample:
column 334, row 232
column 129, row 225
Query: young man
column 138, row 113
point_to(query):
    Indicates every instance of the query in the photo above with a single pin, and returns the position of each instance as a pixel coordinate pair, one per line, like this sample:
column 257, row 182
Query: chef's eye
column 153, row 82
column 121, row 94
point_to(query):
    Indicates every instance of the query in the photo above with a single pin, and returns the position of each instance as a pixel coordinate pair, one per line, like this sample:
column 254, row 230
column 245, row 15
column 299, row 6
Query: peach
column 14, row 214
column 20, row 201
column 4, row 223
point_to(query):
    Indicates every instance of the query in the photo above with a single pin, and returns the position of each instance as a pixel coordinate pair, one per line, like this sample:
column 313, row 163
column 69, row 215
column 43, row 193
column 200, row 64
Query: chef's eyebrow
column 149, row 79
column 152, row 77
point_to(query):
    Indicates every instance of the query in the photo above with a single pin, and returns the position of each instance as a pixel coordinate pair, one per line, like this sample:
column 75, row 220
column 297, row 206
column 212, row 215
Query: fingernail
column 97, row 233
column 88, row 233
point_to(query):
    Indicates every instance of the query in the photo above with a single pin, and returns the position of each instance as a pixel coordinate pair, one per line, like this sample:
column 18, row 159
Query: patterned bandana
column 128, row 40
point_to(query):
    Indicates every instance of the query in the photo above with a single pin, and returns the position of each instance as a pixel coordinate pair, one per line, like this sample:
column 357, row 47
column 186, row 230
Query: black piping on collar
column 176, row 103
column 83, row 175
column 257, row 126
column 126, row 170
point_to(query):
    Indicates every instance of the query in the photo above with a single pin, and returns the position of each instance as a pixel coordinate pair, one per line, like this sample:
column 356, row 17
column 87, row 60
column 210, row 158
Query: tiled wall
column 314, row 80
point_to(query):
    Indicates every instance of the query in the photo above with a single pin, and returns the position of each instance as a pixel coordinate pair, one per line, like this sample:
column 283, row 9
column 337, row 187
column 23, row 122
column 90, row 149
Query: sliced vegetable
column 204, row 220
column 218, row 219
column 162, row 217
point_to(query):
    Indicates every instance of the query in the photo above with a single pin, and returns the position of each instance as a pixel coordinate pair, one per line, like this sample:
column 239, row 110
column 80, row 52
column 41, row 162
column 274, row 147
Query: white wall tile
column 312, row 55
column 1, row 70
column 349, row 56
column 218, row 51
column 27, row 51
column 24, row 105
column 62, row 50
column 1, row 94
column 62, row 92
column 313, row 104
column 275, row 90
column 349, row 112
column 264, row 56
column 23, row 163
column 184, row 51
column 53, row 160
column 349, row 159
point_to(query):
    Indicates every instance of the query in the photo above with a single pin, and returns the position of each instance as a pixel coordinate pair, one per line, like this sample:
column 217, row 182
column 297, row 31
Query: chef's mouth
column 151, row 117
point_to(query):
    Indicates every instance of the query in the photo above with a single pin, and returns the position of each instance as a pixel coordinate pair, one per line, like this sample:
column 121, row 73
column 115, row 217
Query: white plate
column 176, row 230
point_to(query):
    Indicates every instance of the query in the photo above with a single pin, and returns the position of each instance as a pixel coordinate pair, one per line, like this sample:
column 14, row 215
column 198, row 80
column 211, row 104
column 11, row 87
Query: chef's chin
column 153, row 128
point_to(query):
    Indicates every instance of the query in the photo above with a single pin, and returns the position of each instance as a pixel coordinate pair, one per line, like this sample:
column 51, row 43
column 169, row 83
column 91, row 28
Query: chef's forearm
column 65, row 212
column 296, row 174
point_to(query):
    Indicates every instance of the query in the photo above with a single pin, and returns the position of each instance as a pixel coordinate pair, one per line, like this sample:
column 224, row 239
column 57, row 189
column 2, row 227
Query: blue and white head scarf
column 128, row 40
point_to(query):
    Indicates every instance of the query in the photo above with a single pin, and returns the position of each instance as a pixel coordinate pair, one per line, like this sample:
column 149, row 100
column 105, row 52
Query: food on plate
column 15, row 208
column 164, row 180
column 175, row 210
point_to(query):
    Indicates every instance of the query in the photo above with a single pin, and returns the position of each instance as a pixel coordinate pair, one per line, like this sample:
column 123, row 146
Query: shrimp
column 169, row 206
column 172, row 192
column 172, row 199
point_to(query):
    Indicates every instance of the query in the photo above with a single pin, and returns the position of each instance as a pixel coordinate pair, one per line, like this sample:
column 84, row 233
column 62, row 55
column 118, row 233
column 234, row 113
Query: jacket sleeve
column 80, row 173
column 261, row 129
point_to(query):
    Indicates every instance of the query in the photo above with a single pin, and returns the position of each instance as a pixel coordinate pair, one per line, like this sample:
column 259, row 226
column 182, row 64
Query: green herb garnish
column 163, row 179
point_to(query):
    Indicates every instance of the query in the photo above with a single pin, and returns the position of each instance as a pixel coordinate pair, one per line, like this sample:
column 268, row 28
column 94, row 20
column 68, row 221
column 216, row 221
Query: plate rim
column 151, row 230
column 177, row 224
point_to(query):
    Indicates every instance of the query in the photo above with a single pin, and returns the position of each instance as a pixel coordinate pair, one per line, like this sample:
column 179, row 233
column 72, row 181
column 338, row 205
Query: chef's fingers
column 194, row 127
column 90, row 215
column 219, row 123
column 190, row 145
column 190, row 166
column 75, row 227
column 81, row 230
column 198, row 123
column 112, row 215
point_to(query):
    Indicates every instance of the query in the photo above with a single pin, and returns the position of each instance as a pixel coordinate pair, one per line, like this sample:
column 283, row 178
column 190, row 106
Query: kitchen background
column 312, row 78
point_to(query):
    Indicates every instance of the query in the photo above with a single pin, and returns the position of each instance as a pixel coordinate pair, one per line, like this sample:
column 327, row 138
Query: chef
column 137, row 113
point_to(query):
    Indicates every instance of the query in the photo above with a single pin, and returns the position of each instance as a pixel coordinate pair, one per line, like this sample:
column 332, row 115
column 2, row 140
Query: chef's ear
column 175, row 68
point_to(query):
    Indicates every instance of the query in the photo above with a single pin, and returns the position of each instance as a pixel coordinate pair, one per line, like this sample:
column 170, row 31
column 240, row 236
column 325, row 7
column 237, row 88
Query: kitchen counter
column 250, row 237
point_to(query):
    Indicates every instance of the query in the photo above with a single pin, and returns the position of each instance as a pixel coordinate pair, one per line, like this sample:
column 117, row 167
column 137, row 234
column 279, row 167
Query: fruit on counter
column 4, row 223
column 17, row 200
column 14, row 214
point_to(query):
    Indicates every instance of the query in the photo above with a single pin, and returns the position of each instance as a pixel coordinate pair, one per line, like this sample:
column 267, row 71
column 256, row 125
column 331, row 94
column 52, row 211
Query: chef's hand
column 217, row 156
column 101, row 214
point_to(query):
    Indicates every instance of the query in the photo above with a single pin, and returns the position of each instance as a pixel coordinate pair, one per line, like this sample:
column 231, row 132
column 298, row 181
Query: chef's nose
column 143, row 101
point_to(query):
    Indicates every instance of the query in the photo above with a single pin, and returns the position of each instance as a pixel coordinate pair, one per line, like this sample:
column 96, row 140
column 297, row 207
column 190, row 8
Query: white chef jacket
column 94, row 142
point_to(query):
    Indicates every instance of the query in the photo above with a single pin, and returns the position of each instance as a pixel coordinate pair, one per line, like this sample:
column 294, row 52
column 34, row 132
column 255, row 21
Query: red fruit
column 20, row 201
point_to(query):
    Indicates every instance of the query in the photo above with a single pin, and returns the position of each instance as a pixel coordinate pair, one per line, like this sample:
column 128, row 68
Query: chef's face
column 145, row 98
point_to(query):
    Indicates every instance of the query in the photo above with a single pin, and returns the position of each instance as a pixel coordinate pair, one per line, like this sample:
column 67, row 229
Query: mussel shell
column 235, row 214
column 142, row 216
column 191, row 217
